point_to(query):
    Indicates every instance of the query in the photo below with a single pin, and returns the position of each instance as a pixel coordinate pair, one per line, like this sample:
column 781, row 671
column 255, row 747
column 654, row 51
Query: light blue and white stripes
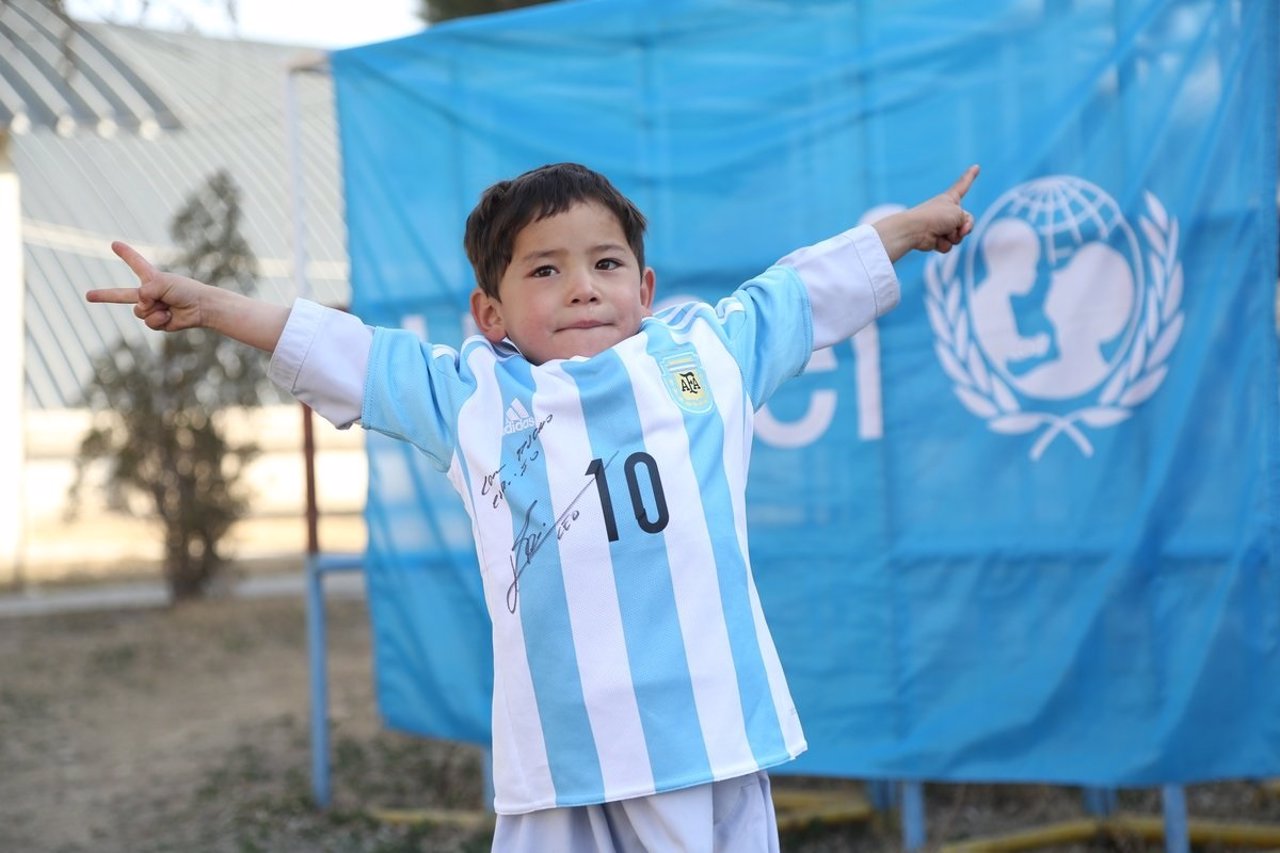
column 631, row 654
column 607, row 499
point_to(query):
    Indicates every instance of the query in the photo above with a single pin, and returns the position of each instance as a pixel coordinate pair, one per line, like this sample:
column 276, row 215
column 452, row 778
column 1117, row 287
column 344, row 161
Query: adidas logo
column 518, row 418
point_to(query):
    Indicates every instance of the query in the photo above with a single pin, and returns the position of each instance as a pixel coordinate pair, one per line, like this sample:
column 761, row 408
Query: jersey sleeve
column 385, row 379
column 321, row 359
column 768, row 329
column 849, row 280
column 413, row 392
column 812, row 298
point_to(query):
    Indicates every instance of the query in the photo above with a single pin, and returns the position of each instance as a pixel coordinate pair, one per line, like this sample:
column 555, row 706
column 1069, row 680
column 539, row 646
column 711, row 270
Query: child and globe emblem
column 1062, row 327
column 1054, row 286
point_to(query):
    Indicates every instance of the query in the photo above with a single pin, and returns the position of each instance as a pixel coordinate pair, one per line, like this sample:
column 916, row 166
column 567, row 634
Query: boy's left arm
column 935, row 225
column 850, row 277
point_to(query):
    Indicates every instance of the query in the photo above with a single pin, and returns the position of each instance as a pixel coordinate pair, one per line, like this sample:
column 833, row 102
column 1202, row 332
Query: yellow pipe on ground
column 1029, row 839
column 1148, row 828
column 797, row 808
column 1202, row 831
column 433, row 817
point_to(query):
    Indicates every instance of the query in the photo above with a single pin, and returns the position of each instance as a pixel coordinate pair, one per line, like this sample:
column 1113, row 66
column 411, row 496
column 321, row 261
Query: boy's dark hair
column 508, row 206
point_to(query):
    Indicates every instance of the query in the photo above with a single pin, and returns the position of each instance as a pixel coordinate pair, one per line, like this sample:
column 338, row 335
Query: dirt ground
column 185, row 729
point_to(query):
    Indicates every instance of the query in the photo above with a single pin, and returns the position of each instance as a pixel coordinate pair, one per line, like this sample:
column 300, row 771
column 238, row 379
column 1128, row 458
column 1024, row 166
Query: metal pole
column 296, row 202
column 318, row 665
column 883, row 794
column 317, row 651
column 309, row 470
column 1176, row 839
column 1100, row 802
column 913, row 827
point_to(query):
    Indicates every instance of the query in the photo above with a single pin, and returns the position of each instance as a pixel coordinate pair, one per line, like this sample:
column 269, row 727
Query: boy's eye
column 543, row 271
column 608, row 264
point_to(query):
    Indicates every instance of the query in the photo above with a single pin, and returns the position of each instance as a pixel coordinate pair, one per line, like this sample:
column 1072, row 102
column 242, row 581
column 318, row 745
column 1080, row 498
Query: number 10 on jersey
column 632, row 465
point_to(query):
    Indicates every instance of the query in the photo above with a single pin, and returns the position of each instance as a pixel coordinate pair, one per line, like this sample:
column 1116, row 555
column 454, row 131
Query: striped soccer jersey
column 606, row 495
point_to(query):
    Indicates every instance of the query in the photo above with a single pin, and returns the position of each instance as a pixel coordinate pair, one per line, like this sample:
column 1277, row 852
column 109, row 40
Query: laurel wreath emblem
column 984, row 393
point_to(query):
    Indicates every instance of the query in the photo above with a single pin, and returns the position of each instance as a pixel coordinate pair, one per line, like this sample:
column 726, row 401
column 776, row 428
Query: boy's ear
column 487, row 312
column 648, row 287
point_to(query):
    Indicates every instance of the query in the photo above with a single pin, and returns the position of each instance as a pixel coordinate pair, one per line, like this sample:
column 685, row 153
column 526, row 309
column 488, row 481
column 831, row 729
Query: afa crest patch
column 687, row 382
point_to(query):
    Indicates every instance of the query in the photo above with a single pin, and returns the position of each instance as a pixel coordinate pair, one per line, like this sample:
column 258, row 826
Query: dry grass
column 186, row 730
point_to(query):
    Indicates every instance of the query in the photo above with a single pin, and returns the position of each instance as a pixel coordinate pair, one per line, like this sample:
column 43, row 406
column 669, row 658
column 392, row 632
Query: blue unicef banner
column 1025, row 527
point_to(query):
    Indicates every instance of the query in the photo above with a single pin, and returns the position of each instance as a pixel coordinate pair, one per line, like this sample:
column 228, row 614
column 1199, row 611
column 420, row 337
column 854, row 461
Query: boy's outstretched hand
column 162, row 300
column 937, row 224
column 170, row 303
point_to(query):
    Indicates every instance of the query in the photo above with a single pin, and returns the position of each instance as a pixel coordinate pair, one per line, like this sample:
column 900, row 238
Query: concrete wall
column 100, row 543
column 12, row 347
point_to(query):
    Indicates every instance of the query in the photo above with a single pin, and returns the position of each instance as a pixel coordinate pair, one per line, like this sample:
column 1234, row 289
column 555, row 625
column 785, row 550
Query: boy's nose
column 582, row 287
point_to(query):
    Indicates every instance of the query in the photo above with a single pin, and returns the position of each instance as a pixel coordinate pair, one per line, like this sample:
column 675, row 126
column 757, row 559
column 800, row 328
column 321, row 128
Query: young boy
column 601, row 452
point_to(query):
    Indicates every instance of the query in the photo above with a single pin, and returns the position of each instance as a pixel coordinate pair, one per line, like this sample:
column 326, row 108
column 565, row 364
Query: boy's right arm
column 171, row 303
column 318, row 354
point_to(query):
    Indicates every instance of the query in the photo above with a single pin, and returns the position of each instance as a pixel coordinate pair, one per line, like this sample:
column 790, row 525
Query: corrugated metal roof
column 81, row 191
column 56, row 74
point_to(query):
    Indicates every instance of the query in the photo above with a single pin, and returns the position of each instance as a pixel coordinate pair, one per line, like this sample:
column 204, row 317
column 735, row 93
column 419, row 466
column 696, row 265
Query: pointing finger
column 141, row 267
column 961, row 186
column 114, row 295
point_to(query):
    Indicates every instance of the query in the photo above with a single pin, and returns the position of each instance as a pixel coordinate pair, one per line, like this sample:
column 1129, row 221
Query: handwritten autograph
column 526, row 452
column 529, row 540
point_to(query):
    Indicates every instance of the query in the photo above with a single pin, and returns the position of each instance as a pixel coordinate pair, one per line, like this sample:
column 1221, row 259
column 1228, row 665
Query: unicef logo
column 1055, row 317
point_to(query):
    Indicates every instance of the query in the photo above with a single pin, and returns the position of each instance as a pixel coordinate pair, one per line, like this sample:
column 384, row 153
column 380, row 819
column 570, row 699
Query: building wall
column 99, row 543
column 195, row 106
column 12, row 368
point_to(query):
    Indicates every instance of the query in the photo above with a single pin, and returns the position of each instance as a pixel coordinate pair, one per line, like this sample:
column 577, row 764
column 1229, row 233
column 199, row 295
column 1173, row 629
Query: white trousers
column 732, row 816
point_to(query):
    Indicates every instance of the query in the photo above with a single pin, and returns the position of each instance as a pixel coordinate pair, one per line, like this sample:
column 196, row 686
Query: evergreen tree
column 156, row 405
column 435, row 11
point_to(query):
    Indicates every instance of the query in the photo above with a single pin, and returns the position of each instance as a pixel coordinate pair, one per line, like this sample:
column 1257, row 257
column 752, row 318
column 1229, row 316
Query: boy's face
column 573, row 287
